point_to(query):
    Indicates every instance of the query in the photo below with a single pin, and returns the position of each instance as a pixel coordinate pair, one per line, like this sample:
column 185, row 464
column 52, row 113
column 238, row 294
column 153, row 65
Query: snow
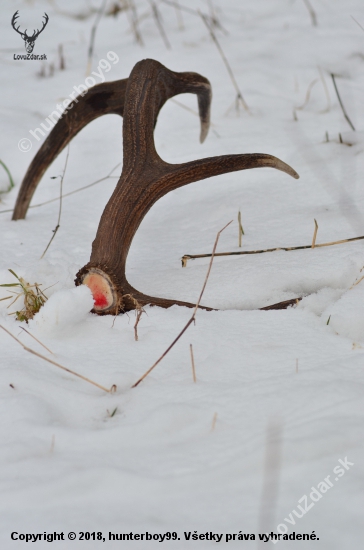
column 179, row 456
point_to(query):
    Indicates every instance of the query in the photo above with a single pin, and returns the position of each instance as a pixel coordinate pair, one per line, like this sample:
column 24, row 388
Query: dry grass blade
column 357, row 22
column 60, row 205
column 213, row 425
column 11, row 181
column 192, row 319
column 179, row 16
column 241, row 230
column 57, row 364
column 193, row 364
column 311, row 12
column 158, row 20
column 326, row 91
column 92, row 37
column 36, row 339
column 187, row 257
column 239, row 95
column 314, row 235
column 70, row 193
column 308, row 95
column 133, row 20
column 33, row 299
column 341, row 103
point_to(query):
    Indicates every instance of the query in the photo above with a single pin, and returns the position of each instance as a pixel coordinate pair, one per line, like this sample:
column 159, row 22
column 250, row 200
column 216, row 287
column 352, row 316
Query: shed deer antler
column 145, row 176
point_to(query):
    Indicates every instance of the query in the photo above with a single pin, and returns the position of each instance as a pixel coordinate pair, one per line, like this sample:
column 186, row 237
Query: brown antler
column 103, row 99
column 145, row 179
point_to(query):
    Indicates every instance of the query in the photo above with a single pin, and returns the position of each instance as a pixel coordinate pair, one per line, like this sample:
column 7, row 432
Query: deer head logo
column 28, row 40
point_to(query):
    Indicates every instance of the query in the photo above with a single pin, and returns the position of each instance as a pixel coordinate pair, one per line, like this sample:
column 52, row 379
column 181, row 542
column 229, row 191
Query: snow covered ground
column 278, row 401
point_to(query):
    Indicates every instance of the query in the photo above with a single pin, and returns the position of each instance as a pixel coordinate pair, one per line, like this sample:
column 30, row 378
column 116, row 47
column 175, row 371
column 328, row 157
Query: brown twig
column 281, row 305
column 60, row 205
column 241, row 230
column 139, row 312
column 111, row 390
column 93, row 35
column 133, row 20
column 341, row 103
column 314, row 235
column 158, row 21
column 193, row 364
column 239, row 95
column 62, row 63
column 187, row 257
column 192, row 319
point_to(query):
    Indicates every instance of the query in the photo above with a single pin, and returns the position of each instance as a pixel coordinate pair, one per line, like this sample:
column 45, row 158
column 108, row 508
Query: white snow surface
column 278, row 400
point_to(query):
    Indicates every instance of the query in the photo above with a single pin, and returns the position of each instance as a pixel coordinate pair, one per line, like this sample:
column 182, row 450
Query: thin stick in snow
column 133, row 20
column 71, row 192
column 213, row 422
column 187, row 257
column 111, row 390
column 92, row 37
column 158, row 20
column 239, row 95
column 193, row 317
column 60, row 205
column 193, row 364
column 308, row 94
column 314, row 234
column 341, row 103
column 36, row 339
column 311, row 12
column 179, row 16
column 357, row 22
column 326, row 90
column 241, row 230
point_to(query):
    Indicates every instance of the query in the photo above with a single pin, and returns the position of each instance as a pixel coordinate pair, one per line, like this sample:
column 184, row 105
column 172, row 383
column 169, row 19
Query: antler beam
column 145, row 176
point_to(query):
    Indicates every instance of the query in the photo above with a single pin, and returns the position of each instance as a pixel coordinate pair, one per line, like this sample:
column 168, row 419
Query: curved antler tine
column 196, row 170
column 150, row 85
column 103, row 99
column 193, row 83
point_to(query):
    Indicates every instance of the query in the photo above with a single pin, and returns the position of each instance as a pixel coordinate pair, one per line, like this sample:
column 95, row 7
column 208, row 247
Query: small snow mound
column 347, row 314
column 321, row 300
column 64, row 309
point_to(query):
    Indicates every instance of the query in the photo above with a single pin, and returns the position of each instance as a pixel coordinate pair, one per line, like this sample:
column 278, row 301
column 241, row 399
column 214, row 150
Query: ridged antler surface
column 145, row 176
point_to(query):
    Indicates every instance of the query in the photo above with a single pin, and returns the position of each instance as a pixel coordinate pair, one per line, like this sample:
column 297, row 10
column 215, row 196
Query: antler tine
column 37, row 33
column 150, row 85
column 14, row 20
column 196, row 170
column 102, row 99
